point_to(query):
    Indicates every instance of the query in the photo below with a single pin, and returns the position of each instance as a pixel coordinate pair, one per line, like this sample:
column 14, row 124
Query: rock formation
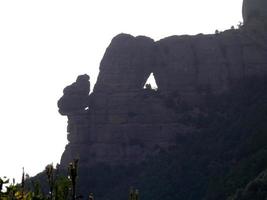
column 76, row 96
column 254, row 9
column 120, row 122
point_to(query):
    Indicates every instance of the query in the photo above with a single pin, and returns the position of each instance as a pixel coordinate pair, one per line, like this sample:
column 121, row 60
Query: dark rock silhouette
column 76, row 96
column 126, row 65
column 124, row 122
column 254, row 10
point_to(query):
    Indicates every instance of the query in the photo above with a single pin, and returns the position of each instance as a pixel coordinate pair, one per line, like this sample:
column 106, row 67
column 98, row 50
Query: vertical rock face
column 193, row 65
column 254, row 9
column 120, row 122
column 189, row 64
column 126, row 64
column 76, row 96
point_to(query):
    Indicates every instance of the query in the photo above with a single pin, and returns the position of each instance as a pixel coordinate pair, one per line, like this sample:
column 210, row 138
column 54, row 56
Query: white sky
column 45, row 45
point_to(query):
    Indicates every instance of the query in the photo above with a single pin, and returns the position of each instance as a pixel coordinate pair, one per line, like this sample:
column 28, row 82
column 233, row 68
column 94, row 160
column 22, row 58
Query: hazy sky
column 45, row 44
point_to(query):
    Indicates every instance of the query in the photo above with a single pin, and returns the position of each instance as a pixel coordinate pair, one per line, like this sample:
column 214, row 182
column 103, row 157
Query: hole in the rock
column 151, row 83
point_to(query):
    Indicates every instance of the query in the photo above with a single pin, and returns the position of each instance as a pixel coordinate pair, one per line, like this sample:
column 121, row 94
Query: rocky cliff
column 120, row 122
column 254, row 10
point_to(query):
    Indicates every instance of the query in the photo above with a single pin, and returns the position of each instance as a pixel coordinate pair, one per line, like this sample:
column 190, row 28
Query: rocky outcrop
column 126, row 65
column 76, row 96
column 254, row 9
column 121, row 123
column 193, row 65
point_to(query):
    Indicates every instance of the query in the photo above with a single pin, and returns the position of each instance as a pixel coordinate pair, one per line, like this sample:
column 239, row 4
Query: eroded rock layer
column 122, row 123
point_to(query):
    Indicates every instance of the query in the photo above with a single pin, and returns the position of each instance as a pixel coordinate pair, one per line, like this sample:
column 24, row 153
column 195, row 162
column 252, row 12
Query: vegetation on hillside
column 227, row 150
column 225, row 158
column 56, row 186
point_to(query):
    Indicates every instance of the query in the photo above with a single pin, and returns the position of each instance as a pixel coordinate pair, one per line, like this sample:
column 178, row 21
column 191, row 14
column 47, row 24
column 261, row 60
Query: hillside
column 224, row 158
column 227, row 151
column 200, row 135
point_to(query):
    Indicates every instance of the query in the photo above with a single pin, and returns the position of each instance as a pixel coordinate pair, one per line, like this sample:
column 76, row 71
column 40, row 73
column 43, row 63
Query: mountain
column 200, row 135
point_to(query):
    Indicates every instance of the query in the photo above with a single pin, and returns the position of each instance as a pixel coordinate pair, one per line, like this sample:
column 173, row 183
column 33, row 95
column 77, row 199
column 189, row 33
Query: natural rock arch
column 184, row 67
column 151, row 81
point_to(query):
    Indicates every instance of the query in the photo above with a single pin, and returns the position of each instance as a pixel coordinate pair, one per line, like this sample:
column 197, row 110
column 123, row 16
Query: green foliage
column 73, row 167
column 50, row 177
column 58, row 185
column 133, row 194
column 255, row 189
column 62, row 188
